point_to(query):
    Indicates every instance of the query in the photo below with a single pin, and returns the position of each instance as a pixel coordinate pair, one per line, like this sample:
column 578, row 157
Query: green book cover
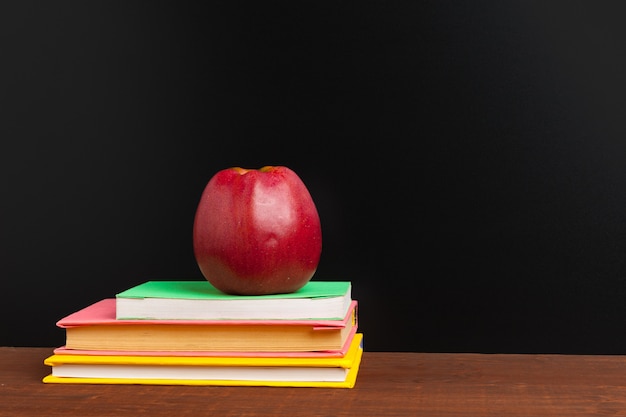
column 203, row 290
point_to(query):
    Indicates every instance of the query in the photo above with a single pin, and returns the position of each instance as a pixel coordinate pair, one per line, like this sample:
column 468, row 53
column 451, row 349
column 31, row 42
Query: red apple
column 257, row 231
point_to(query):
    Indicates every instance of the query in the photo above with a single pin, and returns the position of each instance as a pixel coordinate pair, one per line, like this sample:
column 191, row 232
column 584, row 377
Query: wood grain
column 389, row 384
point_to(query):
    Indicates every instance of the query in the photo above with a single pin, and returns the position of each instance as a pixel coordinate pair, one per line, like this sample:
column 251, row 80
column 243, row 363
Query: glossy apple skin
column 257, row 231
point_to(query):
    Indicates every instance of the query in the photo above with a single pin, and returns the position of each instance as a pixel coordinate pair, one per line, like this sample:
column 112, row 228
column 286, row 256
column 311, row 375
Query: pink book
column 102, row 313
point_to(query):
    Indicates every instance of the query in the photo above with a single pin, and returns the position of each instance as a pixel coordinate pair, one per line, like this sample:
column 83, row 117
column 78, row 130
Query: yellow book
column 192, row 370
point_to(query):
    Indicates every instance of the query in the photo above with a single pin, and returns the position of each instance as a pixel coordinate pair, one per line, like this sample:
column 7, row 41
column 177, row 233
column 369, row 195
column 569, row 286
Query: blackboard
column 468, row 159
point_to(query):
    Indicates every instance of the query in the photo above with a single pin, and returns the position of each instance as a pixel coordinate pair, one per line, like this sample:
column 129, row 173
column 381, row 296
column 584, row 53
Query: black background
column 468, row 159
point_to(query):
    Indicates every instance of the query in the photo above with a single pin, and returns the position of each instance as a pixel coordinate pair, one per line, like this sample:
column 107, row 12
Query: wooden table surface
column 389, row 384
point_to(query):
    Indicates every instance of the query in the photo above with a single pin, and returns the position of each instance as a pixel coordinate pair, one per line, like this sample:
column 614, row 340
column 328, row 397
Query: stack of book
column 190, row 333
